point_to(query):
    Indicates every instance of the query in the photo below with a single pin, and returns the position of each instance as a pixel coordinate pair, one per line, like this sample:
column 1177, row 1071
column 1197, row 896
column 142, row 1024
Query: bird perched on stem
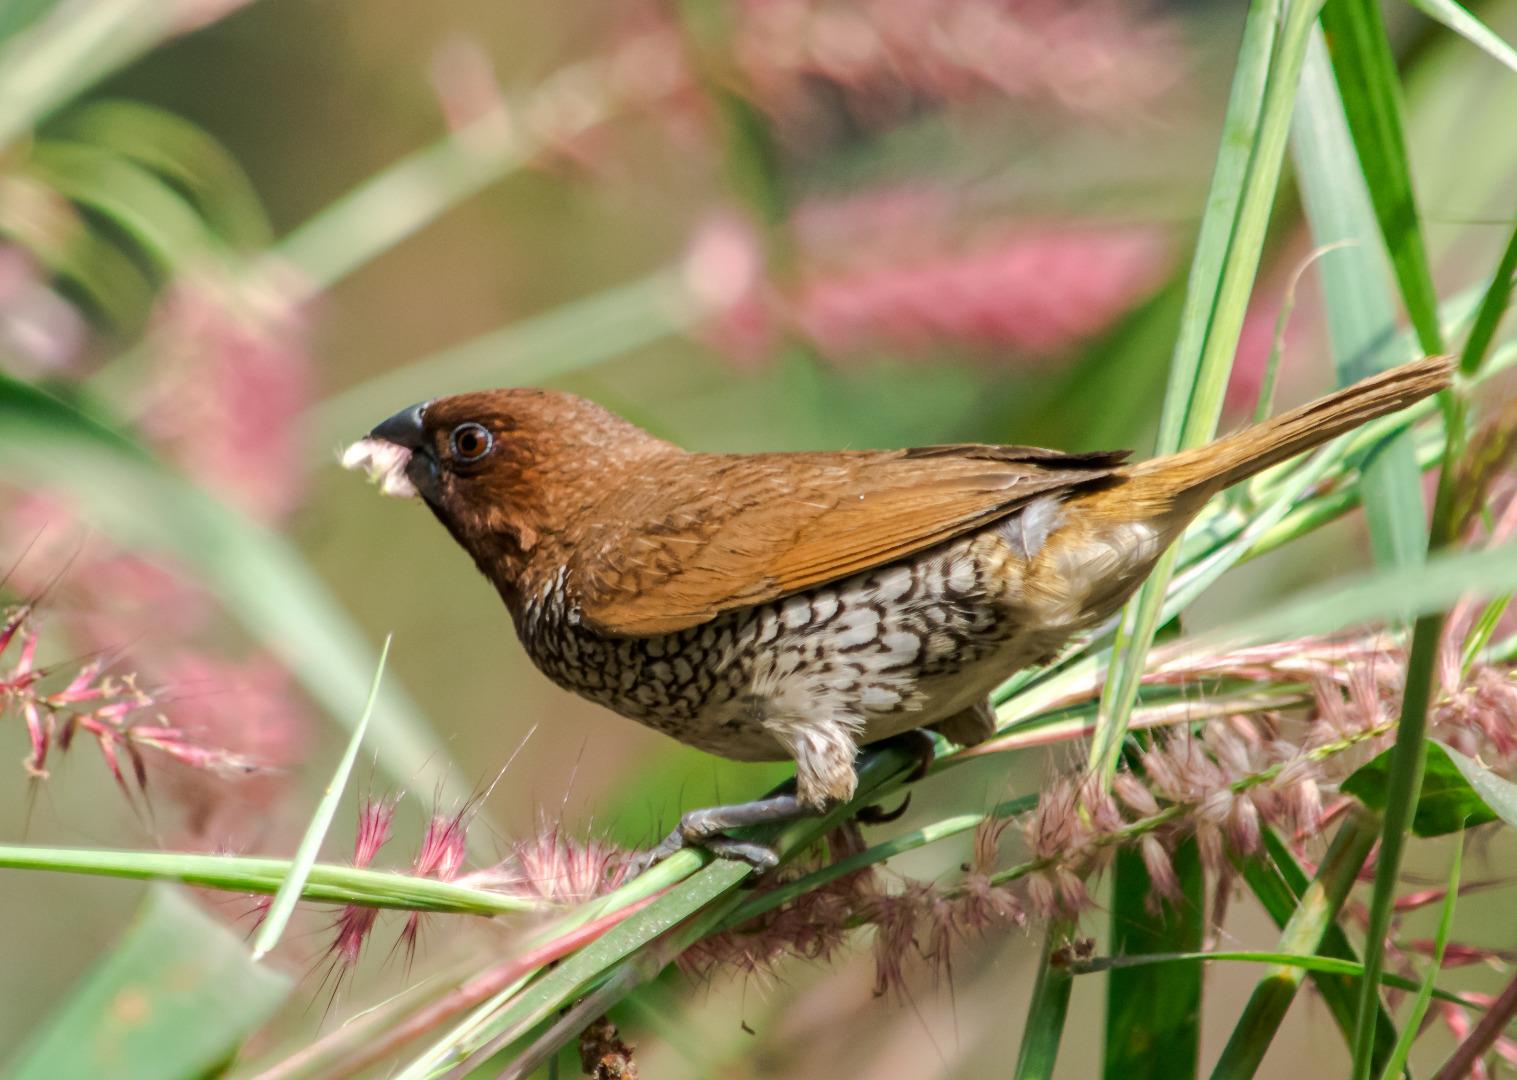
column 799, row 605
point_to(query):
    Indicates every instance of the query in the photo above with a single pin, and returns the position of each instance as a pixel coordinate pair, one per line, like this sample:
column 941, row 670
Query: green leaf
column 290, row 892
column 1456, row 791
column 1378, row 596
column 172, row 1001
column 1153, row 1014
column 140, row 503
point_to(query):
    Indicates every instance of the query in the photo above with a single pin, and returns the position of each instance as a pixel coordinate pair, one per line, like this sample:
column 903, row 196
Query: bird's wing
column 733, row 531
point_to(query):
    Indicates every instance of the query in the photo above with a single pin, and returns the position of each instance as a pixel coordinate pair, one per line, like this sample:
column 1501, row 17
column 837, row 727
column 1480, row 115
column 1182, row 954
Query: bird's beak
column 395, row 455
column 403, row 429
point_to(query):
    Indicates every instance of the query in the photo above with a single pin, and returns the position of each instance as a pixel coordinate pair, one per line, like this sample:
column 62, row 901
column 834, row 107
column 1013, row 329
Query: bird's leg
column 705, row 828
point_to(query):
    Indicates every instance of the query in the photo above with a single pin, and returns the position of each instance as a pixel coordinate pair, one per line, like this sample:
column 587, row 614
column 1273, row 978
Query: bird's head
column 506, row 471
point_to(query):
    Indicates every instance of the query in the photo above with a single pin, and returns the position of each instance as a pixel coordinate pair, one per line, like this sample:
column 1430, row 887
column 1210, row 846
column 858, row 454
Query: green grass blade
column 576, row 335
column 1458, row 19
column 1377, row 596
column 1302, row 937
column 1413, row 1023
column 1360, row 315
column 283, row 905
column 172, row 1000
column 1405, row 782
column 1047, row 1010
column 1278, row 882
column 49, row 62
column 326, row 883
column 1493, row 308
column 262, row 582
column 1203, row 356
column 1322, row 964
column 1153, row 1013
column 1371, row 96
column 163, row 224
column 183, row 152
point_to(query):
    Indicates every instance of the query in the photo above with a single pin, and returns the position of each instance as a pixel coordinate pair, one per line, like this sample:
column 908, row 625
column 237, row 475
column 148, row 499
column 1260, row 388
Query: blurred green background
column 836, row 230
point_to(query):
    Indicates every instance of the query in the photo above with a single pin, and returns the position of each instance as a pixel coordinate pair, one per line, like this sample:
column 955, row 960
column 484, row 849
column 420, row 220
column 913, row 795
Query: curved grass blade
column 74, row 46
column 161, row 222
column 283, row 905
column 1278, row 882
column 180, row 151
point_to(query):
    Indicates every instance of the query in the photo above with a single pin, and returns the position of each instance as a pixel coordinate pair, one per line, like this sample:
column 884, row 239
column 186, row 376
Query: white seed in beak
column 384, row 463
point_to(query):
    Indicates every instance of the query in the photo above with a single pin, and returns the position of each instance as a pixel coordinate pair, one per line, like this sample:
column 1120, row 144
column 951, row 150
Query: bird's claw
column 707, row 829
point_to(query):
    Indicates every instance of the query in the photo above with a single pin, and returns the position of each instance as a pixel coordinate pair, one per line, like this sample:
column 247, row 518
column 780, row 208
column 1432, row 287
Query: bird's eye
column 471, row 442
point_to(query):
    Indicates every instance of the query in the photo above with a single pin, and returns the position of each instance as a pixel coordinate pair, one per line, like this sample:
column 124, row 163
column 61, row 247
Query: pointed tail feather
column 1236, row 457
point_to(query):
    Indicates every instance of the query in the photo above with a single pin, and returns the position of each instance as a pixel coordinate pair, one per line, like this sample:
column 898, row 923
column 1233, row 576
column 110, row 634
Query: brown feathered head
column 506, row 471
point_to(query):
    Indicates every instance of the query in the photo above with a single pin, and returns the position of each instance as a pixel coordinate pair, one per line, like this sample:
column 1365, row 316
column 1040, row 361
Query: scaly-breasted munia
column 765, row 606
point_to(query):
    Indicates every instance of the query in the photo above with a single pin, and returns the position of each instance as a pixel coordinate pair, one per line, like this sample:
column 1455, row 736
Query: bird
column 801, row 605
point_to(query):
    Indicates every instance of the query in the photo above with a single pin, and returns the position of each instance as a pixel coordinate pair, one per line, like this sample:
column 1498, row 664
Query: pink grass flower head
column 41, row 334
column 879, row 62
column 355, row 922
column 556, row 867
column 231, row 379
column 104, row 597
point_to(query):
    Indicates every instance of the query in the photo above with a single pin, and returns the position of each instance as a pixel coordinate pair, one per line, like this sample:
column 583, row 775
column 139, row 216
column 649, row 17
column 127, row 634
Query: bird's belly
column 887, row 650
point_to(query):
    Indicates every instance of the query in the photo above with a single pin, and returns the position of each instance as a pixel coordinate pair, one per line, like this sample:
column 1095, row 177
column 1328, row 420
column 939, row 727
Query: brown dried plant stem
column 1464, row 1059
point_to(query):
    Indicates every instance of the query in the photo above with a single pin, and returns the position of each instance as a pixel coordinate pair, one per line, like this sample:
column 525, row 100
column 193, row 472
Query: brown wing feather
column 755, row 528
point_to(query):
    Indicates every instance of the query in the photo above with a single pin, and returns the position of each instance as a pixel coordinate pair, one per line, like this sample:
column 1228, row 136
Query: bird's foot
column 707, row 829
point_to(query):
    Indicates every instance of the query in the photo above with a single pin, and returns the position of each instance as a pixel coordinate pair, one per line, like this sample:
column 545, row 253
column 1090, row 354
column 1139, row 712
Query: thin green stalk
column 1413, row 1025
column 1303, row 935
column 288, row 894
column 1410, row 753
column 327, row 883
column 1316, row 965
column 1201, row 366
column 1046, row 1011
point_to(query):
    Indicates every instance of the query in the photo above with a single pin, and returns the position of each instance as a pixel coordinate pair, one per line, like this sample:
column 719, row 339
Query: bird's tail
column 1208, row 469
